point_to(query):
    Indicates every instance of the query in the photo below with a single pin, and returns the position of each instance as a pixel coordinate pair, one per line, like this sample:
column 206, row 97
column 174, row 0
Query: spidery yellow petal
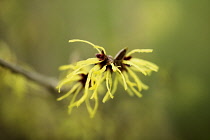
column 71, row 91
column 95, row 46
column 125, row 85
column 139, row 51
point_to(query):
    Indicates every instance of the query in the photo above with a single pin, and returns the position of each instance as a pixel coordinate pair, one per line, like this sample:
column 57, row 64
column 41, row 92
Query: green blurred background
column 176, row 107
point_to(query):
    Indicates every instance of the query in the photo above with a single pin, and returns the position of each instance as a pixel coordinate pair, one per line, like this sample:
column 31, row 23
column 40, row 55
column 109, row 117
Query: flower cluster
column 89, row 77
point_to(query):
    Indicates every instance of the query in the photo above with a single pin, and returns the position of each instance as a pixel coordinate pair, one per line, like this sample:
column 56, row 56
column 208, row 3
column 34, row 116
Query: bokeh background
column 34, row 34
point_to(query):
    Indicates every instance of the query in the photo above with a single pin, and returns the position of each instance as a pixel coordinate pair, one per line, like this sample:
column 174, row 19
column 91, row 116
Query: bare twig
column 47, row 82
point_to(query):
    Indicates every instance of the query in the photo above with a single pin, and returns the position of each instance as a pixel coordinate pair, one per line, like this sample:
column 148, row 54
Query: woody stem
column 47, row 82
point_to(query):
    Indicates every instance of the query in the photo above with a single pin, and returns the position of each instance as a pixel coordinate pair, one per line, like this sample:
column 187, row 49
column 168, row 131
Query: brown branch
column 47, row 82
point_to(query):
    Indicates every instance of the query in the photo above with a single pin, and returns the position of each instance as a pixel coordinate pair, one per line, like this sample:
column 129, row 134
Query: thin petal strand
column 139, row 51
column 87, row 84
column 74, row 98
column 136, row 66
column 65, row 81
column 65, row 67
column 95, row 107
column 95, row 46
column 125, row 85
column 71, row 91
column 109, row 83
column 131, row 85
column 139, row 83
column 145, row 63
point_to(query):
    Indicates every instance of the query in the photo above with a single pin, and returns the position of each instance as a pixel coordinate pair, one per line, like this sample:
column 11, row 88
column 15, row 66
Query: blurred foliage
column 15, row 83
column 176, row 105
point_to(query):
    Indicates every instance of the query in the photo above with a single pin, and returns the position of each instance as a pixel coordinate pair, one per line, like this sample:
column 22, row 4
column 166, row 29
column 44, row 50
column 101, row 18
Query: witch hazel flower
column 88, row 78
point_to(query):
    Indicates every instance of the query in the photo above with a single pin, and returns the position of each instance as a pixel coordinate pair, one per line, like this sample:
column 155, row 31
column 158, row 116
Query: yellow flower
column 88, row 75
